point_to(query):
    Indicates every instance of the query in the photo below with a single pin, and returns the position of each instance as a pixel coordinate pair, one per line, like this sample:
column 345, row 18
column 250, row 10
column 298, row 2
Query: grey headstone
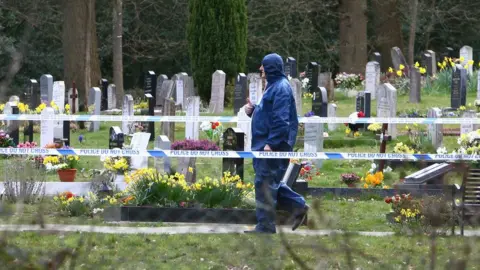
column 46, row 89
column 325, row 80
column 112, row 96
column 168, row 128
column 387, row 106
column 433, row 61
column 193, row 109
column 466, row 128
column 415, row 85
column 296, row 85
column 163, row 164
column 95, row 98
column 372, row 78
column 218, row 92
column 332, row 113
column 435, row 131
column 255, row 88
column 467, row 53
column 313, row 140
column 398, row 59
column 127, row 110
column 160, row 96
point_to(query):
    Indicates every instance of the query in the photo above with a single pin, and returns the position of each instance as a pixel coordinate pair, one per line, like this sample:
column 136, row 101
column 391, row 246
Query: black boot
column 300, row 218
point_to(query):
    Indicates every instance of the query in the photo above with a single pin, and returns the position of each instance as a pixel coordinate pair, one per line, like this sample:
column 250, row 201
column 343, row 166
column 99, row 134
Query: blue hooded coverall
column 274, row 122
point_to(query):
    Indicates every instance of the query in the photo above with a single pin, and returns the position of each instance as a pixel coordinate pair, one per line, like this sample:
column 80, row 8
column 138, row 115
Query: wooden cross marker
column 74, row 97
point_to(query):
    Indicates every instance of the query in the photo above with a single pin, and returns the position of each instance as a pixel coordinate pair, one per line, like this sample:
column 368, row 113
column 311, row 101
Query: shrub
column 23, row 182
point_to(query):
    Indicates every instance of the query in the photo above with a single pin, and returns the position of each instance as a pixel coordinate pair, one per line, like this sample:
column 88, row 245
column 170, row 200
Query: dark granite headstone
column 377, row 57
column 240, row 92
column 291, row 67
column 150, row 86
column 320, row 102
column 104, row 89
column 116, row 138
column 415, row 85
column 364, row 104
column 459, row 87
column 313, row 69
column 31, row 97
column 427, row 63
column 233, row 140
column 151, row 112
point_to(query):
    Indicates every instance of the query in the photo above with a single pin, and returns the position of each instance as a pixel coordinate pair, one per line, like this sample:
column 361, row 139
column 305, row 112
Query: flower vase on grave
column 119, row 178
column 67, row 175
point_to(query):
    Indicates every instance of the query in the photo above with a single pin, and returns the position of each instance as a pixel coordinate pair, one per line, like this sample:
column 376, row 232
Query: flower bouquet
column 353, row 128
column 308, row 171
column 347, row 81
column 350, row 179
column 65, row 166
column 213, row 130
column 117, row 165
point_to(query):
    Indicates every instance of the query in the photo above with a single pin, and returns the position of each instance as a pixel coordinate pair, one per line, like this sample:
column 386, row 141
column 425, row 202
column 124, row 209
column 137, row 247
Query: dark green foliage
column 217, row 38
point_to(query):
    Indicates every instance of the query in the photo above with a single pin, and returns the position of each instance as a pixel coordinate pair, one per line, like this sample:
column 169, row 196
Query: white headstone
column 387, row 106
column 372, row 78
column 127, row 127
column 466, row 128
column 58, row 97
column 313, row 139
column 255, row 89
column 435, row 131
column 46, row 128
column 467, row 53
column 95, row 99
column 434, row 61
column 111, row 96
column 245, row 125
column 332, row 113
column 296, row 85
column 218, row 92
column 193, row 109
column 8, row 110
column 140, row 142
column 179, row 91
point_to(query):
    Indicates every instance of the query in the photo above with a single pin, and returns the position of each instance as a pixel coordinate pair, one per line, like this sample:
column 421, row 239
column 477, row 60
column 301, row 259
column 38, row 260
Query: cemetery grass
column 241, row 251
column 365, row 214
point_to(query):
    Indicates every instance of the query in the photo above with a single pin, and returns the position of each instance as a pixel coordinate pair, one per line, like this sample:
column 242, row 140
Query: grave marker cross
column 74, row 97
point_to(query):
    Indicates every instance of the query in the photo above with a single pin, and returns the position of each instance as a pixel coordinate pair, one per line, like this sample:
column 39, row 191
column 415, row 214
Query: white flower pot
column 119, row 178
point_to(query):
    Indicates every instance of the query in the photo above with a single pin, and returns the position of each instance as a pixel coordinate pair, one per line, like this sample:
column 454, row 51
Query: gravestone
column 459, row 87
column 116, row 138
column 166, row 92
column 14, row 99
column 32, row 99
column 168, row 128
column 255, row 89
column 58, row 97
column 95, row 99
column 46, row 89
column 150, row 86
column 46, row 127
column 466, row 128
column 104, row 91
column 179, row 89
column 377, row 57
column 325, row 80
column 363, row 103
column 217, row 99
column 433, row 61
column 433, row 176
column 449, row 52
column 160, row 95
column 139, row 142
column 398, row 59
column 151, row 112
column 313, row 140
column 427, row 63
column 127, row 111
column 245, row 124
column 332, row 113
column 193, row 110
column 320, row 102
column 387, row 106
column 415, row 85
column 73, row 99
column 313, row 69
column 233, row 140
column 112, row 96
column 467, row 53
column 291, row 67
column 163, row 164
column 13, row 126
column 478, row 86
column 240, row 92
column 372, row 78
column 435, row 131
column 296, row 85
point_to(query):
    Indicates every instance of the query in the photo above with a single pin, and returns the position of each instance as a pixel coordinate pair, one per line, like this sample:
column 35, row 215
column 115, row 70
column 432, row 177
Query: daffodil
column 401, row 67
column 417, row 64
column 390, row 69
column 399, row 73
column 422, row 70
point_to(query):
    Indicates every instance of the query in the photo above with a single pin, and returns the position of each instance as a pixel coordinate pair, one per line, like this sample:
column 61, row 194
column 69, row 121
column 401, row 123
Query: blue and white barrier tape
column 230, row 119
column 237, row 154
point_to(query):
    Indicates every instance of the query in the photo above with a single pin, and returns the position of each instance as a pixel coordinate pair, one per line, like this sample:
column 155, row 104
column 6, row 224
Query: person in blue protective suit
column 274, row 128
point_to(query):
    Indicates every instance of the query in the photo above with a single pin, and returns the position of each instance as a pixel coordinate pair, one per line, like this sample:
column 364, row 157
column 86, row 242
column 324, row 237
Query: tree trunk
column 431, row 24
column 81, row 61
column 387, row 29
column 353, row 36
column 118, row 50
column 413, row 28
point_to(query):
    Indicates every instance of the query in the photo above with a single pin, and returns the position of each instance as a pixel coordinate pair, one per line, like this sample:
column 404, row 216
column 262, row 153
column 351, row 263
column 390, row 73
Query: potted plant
column 350, row 179
column 65, row 166
column 117, row 165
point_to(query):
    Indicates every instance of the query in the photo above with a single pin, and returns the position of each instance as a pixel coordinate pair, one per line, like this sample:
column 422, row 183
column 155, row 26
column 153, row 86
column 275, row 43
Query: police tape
column 232, row 119
column 237, row 154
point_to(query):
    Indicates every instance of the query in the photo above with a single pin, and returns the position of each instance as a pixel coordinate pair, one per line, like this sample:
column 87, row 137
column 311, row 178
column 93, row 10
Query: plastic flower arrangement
column 5, row 140
column 204, row 145
column 55, row 163
column 119, row 165
column 405, row 208
column 375, row 127
column 467, row 144
column 308, row 170
column 348, row 81
column 352, row 128
column 213, row 130
column 373, row 180
column 350, row 178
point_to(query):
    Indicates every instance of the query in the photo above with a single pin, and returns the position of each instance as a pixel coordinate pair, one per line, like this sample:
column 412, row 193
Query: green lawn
column 240, row 251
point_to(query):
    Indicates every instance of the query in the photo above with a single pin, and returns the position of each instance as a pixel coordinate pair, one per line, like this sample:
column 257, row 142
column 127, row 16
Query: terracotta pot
column 67, row 175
